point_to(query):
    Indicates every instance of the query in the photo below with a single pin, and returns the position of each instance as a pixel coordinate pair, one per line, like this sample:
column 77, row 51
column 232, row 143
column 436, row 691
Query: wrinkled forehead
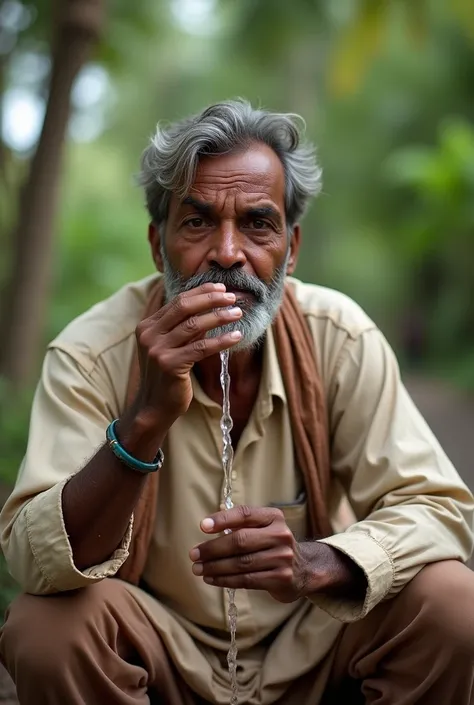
column 248, row 176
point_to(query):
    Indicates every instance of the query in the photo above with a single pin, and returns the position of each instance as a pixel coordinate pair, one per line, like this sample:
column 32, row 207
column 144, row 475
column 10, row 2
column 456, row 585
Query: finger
column 237, row 543
column 205, row 347
column 277, row 557
column 186, row 305
column 239, row 517
column 197, row 326
column 268, row 580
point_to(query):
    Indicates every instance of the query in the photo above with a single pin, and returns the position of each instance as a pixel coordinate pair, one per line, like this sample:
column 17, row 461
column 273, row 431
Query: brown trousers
column 96, row 646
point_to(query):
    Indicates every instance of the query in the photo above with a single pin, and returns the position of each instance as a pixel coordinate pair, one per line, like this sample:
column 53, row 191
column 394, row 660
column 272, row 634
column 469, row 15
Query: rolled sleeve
column 52, row 551
column 411, row 506
column 378, row 569
column 71, row 410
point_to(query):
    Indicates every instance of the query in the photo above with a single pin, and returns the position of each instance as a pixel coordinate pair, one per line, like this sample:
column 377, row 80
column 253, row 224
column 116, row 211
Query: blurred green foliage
column 386, row 90
column 437, row 231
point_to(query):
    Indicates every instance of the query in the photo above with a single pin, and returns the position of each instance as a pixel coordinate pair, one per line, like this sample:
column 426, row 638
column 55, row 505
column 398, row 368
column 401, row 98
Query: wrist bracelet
column 119, row 451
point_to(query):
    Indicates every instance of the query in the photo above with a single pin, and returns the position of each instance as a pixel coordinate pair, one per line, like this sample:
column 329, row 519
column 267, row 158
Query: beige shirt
column 410, row 505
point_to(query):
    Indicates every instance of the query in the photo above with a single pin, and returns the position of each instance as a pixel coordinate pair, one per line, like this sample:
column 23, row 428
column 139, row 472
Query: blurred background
column 387, row 92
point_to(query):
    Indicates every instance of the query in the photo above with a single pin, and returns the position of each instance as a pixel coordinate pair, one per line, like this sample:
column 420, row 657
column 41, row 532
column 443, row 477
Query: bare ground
column 450, row 414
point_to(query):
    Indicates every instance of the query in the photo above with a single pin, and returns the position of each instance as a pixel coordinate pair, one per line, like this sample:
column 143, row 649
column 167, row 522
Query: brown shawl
column 308, row 415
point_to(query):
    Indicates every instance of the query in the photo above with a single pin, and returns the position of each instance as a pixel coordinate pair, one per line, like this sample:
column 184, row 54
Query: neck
column 245, row 367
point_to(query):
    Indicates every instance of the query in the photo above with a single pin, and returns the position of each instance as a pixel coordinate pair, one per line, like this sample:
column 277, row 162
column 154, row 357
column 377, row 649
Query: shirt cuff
column 378, row 568
column 52, row 551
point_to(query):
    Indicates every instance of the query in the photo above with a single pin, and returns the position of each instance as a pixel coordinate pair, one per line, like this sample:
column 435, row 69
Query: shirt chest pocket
column 296, row 516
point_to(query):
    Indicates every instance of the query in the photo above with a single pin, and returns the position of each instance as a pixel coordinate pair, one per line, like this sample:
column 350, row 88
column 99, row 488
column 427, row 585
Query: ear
column 294, row 249
column 154, row 238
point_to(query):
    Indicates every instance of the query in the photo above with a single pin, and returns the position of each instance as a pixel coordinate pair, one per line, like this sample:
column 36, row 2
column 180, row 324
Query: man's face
column 231, row 228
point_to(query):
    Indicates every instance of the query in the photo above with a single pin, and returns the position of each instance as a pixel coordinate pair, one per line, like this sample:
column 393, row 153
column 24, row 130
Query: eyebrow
column 200, row 206
column 253, row 212
column 263, row 212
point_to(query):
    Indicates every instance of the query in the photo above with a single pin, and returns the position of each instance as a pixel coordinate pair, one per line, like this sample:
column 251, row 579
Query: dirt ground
column 451, row 416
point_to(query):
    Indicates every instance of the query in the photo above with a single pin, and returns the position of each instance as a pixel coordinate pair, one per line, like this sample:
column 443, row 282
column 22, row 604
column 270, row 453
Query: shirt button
column 234, row 475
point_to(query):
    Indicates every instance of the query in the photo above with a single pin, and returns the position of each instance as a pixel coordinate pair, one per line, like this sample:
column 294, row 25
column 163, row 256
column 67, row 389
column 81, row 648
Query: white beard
column 256, row 318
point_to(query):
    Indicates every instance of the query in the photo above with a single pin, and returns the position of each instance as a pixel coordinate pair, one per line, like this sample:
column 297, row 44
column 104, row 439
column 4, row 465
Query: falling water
column 227, row 458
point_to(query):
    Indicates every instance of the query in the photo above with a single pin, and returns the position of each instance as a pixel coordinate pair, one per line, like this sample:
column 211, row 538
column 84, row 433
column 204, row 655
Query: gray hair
column 170, row 161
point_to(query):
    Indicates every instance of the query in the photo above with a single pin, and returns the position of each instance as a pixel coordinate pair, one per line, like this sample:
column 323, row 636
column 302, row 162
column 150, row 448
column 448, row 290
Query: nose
column 226, row 247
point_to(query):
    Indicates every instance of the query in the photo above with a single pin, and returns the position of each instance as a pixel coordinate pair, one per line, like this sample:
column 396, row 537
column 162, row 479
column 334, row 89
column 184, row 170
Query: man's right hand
column 173, row 339
column 98, row 500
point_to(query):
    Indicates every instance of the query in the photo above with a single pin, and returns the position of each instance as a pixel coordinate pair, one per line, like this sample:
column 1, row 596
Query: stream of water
column 227, row 460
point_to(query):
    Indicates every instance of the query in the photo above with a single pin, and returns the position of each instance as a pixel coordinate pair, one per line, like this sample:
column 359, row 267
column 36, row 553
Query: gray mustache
column 231, row 278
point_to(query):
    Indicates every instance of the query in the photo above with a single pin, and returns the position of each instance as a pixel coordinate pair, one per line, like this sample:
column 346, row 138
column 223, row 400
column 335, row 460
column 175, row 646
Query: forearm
column 99, row 500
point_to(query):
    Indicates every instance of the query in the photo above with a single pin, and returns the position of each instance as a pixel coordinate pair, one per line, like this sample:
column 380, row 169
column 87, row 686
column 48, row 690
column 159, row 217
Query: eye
column 258, row 224
column 195, row 223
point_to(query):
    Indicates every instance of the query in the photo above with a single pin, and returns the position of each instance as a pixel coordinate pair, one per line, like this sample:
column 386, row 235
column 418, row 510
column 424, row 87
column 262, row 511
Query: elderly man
column 115, row 529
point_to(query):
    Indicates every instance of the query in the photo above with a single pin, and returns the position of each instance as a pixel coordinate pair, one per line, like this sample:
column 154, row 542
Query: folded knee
column 41, row 633
column 444, row 596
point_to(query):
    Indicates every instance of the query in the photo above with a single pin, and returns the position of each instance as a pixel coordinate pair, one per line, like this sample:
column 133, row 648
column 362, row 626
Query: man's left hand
column 261, row 553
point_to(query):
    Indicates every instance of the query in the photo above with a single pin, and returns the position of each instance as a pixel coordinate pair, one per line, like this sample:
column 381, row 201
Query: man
column 130, row 395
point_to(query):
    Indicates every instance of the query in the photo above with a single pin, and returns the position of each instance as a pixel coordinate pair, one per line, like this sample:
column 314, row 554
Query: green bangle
column 119, row 451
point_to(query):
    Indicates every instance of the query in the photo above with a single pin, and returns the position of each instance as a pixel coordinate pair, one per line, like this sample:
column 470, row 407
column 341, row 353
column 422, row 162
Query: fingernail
column 195, row 554
column 219, row 287
column 197, row 568
column 229, row 297
column 207, row 524
column 235, row 311
column 208, row 580
column 235, row 335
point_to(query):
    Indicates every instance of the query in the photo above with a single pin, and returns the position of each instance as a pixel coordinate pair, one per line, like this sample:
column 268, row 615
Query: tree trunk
column 77, row 28
column 3, row 158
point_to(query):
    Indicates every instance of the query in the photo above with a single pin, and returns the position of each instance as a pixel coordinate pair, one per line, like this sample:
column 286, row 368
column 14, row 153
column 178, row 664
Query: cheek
column 266, row 260
column 187, row 258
